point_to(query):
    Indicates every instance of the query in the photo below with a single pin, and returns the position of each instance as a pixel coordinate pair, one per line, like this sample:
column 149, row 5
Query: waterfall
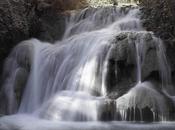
column 146, row 94
column 71, row 80
column 73, row 66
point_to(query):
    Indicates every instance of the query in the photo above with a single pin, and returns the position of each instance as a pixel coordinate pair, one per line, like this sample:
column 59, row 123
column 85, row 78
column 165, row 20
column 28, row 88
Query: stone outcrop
column 20, row 58
column 122, row 65
column 25, row 19
column 159, row 16
column 41, row 21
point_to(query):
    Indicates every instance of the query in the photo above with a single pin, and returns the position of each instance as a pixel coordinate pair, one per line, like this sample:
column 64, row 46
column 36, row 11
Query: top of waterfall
column 120, row 3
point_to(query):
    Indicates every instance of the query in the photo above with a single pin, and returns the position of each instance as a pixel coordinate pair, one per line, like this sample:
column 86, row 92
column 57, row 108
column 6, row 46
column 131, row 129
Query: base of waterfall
column 26, row 122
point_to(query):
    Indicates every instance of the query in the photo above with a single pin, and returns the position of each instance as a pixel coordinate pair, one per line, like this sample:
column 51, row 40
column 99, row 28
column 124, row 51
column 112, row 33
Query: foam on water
column 25, row 122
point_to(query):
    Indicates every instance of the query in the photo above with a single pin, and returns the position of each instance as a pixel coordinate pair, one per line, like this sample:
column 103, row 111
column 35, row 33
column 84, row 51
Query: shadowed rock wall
column 159, row 16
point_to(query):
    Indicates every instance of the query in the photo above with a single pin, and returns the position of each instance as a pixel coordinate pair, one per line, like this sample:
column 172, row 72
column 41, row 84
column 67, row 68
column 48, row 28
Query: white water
column 74, row 64
column 67, row 80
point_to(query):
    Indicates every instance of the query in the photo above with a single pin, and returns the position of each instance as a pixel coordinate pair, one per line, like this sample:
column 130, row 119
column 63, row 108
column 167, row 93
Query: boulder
column 123, row 59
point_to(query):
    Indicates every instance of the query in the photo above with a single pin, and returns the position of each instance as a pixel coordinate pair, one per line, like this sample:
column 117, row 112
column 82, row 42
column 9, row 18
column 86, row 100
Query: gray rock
column 20, row 82
column 15, row 78
column 122, row 65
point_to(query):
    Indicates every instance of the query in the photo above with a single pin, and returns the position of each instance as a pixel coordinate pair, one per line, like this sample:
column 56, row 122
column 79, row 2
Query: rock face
column 130, row 49
column 159, row 16
column 133, row 58
column 19, row 77
column 23, row 19
column 122, row 65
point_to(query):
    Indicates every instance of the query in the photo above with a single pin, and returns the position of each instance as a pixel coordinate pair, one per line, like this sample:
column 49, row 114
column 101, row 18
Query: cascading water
column 68, row 80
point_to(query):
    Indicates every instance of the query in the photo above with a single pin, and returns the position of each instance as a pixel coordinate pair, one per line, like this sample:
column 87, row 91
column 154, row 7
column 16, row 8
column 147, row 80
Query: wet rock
column 158, row 16
column 52, row 26
column 144, row 114
column 150, row 63
column 142, row 99
column 107, row 110
column 121, row 36
column 20, row 63
column 113, row 95
column 21, row 20
column 122, row 66
column 20, row 81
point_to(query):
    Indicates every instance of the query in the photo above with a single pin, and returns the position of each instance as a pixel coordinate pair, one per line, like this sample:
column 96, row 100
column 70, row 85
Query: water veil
column 102, row 70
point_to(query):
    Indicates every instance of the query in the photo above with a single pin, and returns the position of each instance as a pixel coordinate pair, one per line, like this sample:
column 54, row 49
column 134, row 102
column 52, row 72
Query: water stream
column 66, row 84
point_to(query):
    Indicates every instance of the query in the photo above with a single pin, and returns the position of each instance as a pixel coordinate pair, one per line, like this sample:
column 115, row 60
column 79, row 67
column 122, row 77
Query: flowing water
column 66, row 82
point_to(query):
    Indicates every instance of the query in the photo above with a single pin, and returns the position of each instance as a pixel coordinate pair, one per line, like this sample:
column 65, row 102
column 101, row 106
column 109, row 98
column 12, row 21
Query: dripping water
column 67, row 80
